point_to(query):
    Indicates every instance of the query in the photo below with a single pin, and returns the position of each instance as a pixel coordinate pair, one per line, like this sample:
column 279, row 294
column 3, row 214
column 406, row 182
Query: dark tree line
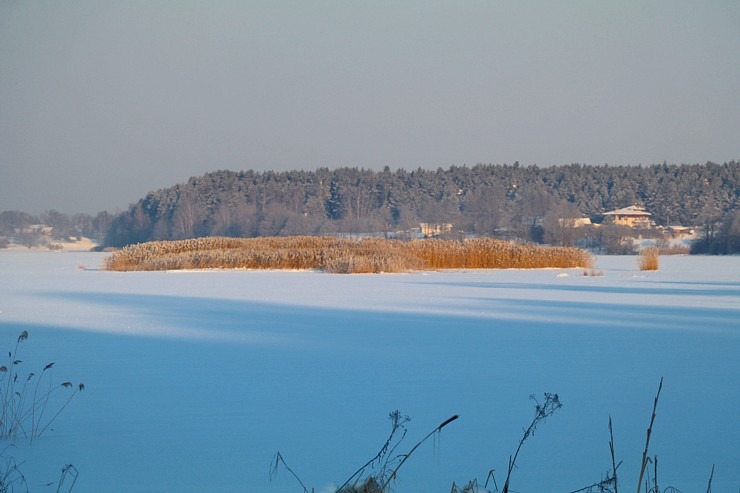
column 496, row 200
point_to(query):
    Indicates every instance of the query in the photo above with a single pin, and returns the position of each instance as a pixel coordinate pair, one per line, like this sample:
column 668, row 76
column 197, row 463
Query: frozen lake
column 195, row 379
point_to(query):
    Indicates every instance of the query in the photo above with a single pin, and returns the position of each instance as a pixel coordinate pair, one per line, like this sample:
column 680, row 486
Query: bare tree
column 188, row 214
column 561, row 224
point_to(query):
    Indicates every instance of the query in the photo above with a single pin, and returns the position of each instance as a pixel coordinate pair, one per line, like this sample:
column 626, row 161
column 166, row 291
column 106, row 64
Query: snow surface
column 195, row 379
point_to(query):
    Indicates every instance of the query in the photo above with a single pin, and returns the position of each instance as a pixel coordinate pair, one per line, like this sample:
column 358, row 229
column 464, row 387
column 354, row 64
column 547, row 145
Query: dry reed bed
column 648, row 259
column 337, row 255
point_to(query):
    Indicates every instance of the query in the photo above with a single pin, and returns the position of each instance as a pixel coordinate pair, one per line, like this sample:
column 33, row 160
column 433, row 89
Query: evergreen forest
column 524, row 203
column 519, row 202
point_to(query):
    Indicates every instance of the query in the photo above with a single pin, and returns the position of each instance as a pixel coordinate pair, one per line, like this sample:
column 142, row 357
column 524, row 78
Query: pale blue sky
column 102, row 101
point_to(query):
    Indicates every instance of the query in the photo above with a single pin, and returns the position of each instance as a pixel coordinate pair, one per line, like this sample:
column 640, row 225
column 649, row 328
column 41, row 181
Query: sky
column 102, row 101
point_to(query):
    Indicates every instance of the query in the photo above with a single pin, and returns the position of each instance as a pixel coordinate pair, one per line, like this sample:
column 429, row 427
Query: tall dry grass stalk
column 543, row 411
column 11, row 477
column 28, row 410
column 649, row 258
column 611, row 450
column 709, row 485
column 376, row 475
column 405, row 457
column 649, row 434
column 337, row 255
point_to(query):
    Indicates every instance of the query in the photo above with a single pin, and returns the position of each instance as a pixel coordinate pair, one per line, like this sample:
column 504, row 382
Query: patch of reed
column 337, row 255
column 648, row 259
column 674, row 250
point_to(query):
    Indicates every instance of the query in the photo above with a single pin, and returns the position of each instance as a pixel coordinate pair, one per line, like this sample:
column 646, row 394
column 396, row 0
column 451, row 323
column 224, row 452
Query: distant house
column 429, row 230
column 633, row 216
column 681, row 231
column 574, row 222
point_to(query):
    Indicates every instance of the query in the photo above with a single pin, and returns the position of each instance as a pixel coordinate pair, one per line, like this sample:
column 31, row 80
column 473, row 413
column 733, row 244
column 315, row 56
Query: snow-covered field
column 195, row 379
